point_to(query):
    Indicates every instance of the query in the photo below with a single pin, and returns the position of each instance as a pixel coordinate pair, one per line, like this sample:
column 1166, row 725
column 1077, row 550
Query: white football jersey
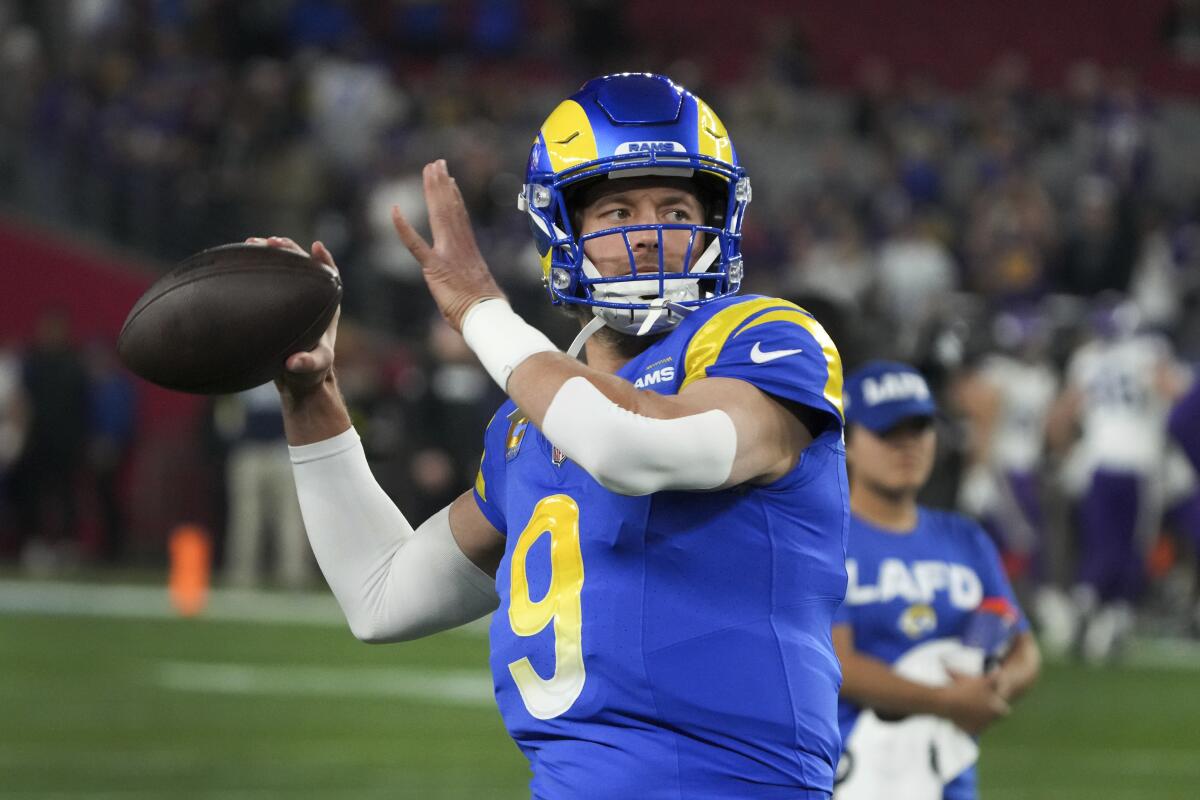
column 1027, row 392
column 1123, row 413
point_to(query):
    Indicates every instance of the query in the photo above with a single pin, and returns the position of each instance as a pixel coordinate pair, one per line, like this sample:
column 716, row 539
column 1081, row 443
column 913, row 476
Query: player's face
column 641, row 201
column 898, row 461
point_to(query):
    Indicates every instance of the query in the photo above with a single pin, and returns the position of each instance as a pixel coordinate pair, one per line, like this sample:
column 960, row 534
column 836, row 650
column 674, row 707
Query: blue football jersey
column 906, row 589
column 676, row 645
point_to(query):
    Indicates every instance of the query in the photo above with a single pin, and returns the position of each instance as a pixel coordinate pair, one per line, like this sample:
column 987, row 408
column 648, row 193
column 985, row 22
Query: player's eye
column 679, row 215
column 616, row 213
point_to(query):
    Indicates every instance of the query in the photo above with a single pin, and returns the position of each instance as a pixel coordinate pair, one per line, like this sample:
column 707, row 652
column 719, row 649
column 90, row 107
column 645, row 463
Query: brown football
column 225, row 319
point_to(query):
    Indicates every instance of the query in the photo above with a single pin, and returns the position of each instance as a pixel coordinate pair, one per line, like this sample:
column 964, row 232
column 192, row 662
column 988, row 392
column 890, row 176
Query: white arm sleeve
column 393, row 583
column 635, row 455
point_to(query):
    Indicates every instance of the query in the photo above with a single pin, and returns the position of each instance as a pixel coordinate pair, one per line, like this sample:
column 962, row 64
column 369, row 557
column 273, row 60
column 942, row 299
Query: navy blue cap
column 881, row 394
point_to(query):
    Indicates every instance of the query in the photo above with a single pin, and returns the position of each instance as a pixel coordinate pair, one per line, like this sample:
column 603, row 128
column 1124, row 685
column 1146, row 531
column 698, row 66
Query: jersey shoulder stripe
column 719, row 332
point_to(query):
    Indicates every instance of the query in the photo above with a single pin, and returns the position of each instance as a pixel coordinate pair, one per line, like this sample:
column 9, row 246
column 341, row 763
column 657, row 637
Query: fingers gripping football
column 454, row 270
column 306, row 370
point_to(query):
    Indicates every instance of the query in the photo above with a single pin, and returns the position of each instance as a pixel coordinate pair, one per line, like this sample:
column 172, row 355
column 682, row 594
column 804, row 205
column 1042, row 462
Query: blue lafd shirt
column 676, row 645
column 906, row 589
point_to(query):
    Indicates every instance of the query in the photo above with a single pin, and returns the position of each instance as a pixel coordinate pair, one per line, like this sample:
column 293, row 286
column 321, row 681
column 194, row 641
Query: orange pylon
column 191, row 560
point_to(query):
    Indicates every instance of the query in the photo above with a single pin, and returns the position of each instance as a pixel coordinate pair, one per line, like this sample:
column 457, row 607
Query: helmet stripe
column 712, row 137
column 570, row 140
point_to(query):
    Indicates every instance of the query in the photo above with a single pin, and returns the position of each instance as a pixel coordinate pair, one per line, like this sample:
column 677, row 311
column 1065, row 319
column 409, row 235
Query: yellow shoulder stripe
column 480, row 483
column 706, row 344
column 833, row 361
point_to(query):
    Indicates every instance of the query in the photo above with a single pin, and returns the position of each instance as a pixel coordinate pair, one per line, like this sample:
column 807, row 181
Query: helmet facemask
column 651, row 298
column 630, row 125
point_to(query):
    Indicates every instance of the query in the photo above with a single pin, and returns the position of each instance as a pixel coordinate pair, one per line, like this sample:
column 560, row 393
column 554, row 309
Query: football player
column 660, row 531
column 1119, row 388
column 933, row 645
column 1006, row 400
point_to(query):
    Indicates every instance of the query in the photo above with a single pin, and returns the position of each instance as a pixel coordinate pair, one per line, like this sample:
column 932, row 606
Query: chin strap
column 580, row 340
column 657, row 308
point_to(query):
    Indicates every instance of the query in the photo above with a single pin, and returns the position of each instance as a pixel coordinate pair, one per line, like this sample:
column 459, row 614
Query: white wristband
column 501, row 339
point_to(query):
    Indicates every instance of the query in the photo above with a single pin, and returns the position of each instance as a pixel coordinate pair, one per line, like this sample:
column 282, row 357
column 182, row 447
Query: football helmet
column 632, row 125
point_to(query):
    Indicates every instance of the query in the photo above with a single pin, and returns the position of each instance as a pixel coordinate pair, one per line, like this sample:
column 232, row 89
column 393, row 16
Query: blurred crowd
column 945, row 228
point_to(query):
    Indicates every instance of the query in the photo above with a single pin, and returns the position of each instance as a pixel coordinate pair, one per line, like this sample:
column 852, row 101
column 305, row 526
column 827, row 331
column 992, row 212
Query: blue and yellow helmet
column 626, row 125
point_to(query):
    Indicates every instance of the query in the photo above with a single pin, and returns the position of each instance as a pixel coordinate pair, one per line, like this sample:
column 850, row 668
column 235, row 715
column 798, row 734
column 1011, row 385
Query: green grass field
column 94, row 705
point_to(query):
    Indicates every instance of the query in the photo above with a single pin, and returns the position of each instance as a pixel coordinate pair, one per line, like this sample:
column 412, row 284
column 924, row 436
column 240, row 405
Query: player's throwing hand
column 306, row 370
column 453, row 267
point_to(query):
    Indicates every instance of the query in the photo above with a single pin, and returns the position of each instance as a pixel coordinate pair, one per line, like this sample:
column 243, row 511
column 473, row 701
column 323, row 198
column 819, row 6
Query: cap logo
column 625, row 148
column 892, row 386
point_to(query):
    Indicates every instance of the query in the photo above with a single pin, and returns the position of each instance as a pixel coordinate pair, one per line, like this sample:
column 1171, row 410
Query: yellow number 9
column 558, row 516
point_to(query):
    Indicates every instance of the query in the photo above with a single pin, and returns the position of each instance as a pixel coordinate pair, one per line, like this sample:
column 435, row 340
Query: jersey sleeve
column 774, row 345
column 991, row 573
column 490, row 480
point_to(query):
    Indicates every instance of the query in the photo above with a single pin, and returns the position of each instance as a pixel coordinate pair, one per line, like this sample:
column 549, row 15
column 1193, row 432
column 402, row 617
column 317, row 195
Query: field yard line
column 318, row 608
column 1163, row 654
column 1123, row 760
column 449, row 687
column 151, row 602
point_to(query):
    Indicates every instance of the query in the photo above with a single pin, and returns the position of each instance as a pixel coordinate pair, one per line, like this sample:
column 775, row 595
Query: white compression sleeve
column 393, row 583
column 501, row 339
column 635, row 455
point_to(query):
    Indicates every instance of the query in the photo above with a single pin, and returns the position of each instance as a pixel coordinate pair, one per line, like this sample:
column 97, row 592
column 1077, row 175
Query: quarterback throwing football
column 660, row 531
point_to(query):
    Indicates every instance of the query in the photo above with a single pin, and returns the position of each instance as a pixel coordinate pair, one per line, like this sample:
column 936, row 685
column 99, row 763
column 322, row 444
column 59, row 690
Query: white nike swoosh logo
column 759, row 357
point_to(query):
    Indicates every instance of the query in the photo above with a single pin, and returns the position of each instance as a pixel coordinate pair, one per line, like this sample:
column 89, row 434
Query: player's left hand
column 453, row 267
column 1001, row 683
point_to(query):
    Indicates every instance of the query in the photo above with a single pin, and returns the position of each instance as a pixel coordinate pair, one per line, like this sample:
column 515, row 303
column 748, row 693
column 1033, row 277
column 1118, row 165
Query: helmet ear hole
column 714, row 194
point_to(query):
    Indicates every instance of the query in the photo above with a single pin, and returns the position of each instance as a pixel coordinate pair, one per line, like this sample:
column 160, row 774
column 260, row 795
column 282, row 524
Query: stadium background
column 916, row 168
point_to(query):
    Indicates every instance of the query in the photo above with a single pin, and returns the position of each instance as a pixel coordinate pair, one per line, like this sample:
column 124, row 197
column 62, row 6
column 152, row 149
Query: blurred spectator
column 111, row 403
column 261, row 492
column 1122, row 133
column 267, row 160
column 1009, row 238
column 351, row 103
column 448, row 412
column 831, row 260
column 1180, row 30
column 56, row 385
column 915, row 273
column 13, row 424
column 873, row 99
column 1101, row 243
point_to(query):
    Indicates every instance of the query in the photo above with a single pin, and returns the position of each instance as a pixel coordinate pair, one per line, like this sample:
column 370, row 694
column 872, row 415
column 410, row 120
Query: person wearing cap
column 933, row 644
